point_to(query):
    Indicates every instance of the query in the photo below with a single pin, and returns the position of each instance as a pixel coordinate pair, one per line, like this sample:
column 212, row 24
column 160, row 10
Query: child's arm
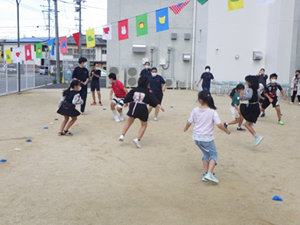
column 111, row 94
column 282, row 92
column 199, row 82
column 236, row 107
column 221, row 127
column 187, row 126
column 267, row 96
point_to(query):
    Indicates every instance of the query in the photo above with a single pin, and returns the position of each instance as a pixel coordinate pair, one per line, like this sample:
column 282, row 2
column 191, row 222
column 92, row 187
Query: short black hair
column 297, row 71
column 273, row 75
column 147, row 62
column 153, row 68
column 143, row 81
column 81, row 60
column 112, row 76
column 207, row 67
column 95, row 63
column 263, row 69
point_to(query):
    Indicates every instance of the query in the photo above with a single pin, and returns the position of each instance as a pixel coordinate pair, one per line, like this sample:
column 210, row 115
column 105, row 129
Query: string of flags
column 162, row 24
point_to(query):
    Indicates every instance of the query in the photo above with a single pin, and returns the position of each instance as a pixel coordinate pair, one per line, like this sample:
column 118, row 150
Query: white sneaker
column 121, row 117
column 155, row 119
column 117, row 119
column 211, row 177
column 137, row 143
column 121, row 138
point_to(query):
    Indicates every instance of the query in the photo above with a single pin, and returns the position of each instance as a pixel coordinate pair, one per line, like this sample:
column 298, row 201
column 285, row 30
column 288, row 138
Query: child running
column 204, row 118
column 251, row 110
column 66, row 107
column 271, row 97
column 139, row 98
column 234, row 108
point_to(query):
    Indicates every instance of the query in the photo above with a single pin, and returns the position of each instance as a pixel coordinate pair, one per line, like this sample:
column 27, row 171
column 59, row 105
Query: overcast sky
column 33, row 21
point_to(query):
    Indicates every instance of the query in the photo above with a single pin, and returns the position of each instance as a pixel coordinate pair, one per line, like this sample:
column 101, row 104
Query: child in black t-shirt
column 95, row 85
column 271, row 97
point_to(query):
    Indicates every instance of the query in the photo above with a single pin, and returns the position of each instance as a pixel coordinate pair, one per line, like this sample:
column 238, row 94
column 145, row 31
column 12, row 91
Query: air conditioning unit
column 132, row 76
column 119, row 71
column 181, row 84
column 170, row 83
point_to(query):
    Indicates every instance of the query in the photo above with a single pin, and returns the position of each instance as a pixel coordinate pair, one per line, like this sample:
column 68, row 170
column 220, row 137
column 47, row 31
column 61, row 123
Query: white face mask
column 97, row 68
column 147, row 67
column 273, row 81
column 79, row 89
column 154, row 74
column 207, row 70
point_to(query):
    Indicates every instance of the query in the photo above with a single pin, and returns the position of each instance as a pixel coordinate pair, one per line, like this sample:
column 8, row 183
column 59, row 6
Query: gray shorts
column 209, row 150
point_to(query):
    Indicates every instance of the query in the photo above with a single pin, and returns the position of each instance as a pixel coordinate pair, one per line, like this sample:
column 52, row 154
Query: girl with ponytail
column 204, row 118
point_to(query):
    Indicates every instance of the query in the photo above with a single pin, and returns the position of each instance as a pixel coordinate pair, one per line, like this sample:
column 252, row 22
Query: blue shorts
column 209, row 150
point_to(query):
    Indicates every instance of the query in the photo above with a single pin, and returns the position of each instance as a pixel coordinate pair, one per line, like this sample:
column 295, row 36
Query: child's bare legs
column 93, row 96
column 241, row 118
column 63, row 124
column 277, row 108
column 205, row 165
column 73, row 120
column 249, row 128
column 142, row 129
column 150, row 109
column 112, row 106
column 127, row 125
column 99, row 96
column 156, row 112
column 211, row 166
column 233, row 121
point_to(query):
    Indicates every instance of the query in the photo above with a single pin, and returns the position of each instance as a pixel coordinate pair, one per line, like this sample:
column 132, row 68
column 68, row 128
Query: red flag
column 177, row 8
column 123, row 29
column 63, row 45
column 28, row 55
column 76, row 38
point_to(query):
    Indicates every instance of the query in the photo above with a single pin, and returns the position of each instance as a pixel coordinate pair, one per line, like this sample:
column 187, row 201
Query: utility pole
column 78, row 9
column 49, row 55
column 18, row 25
column 57, row 44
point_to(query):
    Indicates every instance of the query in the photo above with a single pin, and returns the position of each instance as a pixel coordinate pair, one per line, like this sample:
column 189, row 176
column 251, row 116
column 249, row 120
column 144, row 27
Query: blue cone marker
column 171, row 106
column 28, row 140
column 45, row 127
column 104, row 108
column 56, row 119
column 3, row 160
column 277, row 198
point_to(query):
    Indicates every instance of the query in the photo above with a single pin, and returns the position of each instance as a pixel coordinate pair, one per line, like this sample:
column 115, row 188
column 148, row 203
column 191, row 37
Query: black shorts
column 95, row 85
column 266, row 103
column 159, row 97
column 262, row 97
column 140, row 111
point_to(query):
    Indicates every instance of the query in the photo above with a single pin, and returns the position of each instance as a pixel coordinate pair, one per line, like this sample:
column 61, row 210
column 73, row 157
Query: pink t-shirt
column 204, row 121
column 118, row 89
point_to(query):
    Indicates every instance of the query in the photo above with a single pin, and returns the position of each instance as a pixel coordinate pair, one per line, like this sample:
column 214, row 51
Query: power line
column 25, row 6
column 88, row 6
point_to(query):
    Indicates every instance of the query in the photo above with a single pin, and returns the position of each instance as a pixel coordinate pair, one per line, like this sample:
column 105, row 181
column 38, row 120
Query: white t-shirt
column 204, row 121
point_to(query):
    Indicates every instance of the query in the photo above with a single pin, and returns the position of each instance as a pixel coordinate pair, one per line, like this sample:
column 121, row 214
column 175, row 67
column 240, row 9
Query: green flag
column 38, row 50
column 141, row 24
column 202, row 2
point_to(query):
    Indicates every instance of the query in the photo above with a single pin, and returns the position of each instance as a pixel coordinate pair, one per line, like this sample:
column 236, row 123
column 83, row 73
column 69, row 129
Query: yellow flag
column 90, row 38
column 8, row 56
column 235, row 4
column 0, row 55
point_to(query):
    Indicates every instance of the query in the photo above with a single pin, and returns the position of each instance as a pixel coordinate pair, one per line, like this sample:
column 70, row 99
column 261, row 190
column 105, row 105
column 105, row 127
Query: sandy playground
column 91, row 178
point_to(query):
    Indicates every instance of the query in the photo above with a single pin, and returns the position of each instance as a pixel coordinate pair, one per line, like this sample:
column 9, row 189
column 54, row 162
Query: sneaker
column 241, row 129
column 203, row 178
column 291, row 103
column 258, row 140
column 94, row 103
column 263, row 115
column 211, row 177
column 155, row 119
column 280, row 122
column 100, row 103
column 121, row 117
column 117, row 119
column 225, row 125
column 121, row 138
column 137, row 143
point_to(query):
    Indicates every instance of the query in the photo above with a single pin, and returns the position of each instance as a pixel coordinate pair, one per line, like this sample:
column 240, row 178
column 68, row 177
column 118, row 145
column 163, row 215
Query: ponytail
column 238, row 87
column 206, row 97
column 72, row 85
column 232, row 92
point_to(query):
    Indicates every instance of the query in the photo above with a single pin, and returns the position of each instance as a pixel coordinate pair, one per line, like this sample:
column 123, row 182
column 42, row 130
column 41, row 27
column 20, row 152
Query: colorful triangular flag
column 123, row 29
column 264, row 2
column 90, row 38
column 235, row 4
column 141, row 24
column 162, row 19
column 17, row 53
column 8, row 56
column 177, row 8
column 39, row 50
column 63, row 45
column 202, row 2
column 28, row 55
column 106, row 34
column 51, row 46
column 76, row 38
column 0, row 55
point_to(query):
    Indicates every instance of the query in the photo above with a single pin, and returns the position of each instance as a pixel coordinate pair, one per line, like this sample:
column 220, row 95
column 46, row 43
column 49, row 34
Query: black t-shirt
column 81, row 74
column 97, row 72
column 156, row 84
column 142, row 95
column 271, row 90
column 263, row 79
column 206, row 77
column 70, row 96
column 145, row 72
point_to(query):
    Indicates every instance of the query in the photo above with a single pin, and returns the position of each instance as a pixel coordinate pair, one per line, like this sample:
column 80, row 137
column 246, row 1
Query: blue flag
column 51, row 46
column 162, row 19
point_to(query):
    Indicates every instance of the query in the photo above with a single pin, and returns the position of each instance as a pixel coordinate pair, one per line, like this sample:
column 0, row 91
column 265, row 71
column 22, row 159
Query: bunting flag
column 90, row 38
column 28, row 55
column 177, row 8
column 202, row 2
column 264, row 2
column 123, row 29
column 8, row 56
column 235, row 4
column 162, row 19
column 141, row 24
column 39, row 50
column 0, row 55
column 17, row 53
column 51, row 46
column 106, row 33
column 76, row 38
column 63, row 45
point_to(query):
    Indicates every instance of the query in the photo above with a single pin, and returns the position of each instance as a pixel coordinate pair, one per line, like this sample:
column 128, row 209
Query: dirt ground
column 91, row 178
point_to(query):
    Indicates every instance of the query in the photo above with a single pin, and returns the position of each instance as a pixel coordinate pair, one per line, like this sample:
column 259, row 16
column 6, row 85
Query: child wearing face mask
column 147, row 70
column 295, row 87
column 66, row 107
column 207, row 76
column 158, row 86
column 271, row 97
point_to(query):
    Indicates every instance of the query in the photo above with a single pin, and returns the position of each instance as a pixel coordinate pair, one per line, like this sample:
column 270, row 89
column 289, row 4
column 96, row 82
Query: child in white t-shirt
column 204, row 118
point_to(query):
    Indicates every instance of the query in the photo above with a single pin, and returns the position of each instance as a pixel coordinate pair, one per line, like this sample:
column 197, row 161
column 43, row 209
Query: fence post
column 46, row 83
